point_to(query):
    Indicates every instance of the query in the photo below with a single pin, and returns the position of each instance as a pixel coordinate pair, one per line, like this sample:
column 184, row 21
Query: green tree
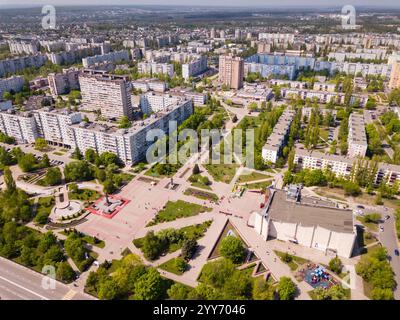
column 27, row 162
column 286, row 289
column 232, row 248
column 335, row 264
column 124, row 123
column 189, row 247
column 178, row 291
column 77, row 154
column 65, row 272
column 9, row 180
column 53, row 176
column 41, row 144
column 149, row 286
column 108, row 289
column 181, row 264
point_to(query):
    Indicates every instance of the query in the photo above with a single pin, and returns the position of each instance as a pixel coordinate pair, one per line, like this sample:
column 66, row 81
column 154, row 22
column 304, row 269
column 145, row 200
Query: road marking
column 26, row 289
column 70, row 294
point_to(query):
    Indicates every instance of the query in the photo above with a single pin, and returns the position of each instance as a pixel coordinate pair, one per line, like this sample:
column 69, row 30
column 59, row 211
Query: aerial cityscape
column 199, row 151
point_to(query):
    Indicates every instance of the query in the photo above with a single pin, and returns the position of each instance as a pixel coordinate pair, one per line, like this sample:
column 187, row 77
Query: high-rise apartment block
column 106, row 92
column 231, row 71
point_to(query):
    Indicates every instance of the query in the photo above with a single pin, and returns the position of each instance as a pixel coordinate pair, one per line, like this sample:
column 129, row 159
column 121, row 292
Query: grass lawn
column 177, row 209
column 204, row 195
column 58, row 153
column 88, row 239
column 295, row 263
column 170, row 267
column 259, row 185
column 370, row 225
column 252, row 176
column 222, row 172
column 200, row 185
column 84, row 195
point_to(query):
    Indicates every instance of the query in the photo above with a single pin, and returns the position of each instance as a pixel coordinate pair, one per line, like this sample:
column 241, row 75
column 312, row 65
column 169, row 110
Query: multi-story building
column 288, row 83
column 152, row 102
column 14, row 83
column 231, row 71
column 106, row 92
column 263, row 47
column 18, row 64
column 342, row 166
column 395, row 76
column 149, row 85
column 196, row 66
column 24, row 47
column 153, row 68
column 366, row 69
column 276, row 141
column 54, row 125
column 19, row 125
column 122, row 55
column 61, row 83
column 323, row 86
column 323, row 96
column 357, row 139
column 130, row 144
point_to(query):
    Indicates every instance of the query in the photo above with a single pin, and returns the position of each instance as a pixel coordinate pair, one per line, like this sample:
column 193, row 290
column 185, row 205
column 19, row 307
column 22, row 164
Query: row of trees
column 375, row 269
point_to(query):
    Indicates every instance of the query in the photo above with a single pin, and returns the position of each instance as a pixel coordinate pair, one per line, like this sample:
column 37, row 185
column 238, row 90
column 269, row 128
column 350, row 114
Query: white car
column 381, row 229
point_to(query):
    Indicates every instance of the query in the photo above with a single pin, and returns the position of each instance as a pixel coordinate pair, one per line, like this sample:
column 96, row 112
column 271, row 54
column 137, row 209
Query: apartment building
column 153, row 68
column 263, row 47
column 357, row 138
column 277, row 38
column 14, row 83
column 19, row 125
column 342, row 166
column 130, row 144
column 148, row 84
column 276, row 141
column 395, row 76
column 54, row 126
column 61, row 83
column 10, row 66
column 324, row 86
column 231, row 71
column 106, row 92
column 323, row 96
column 196, row 66
column 24, row 47
column 288, row 83
column 153, row 102
column 366, row 69
column 115, row 56
column 283, row 60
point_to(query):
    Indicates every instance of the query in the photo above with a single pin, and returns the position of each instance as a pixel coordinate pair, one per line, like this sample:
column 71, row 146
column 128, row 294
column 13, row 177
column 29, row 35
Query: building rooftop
column 309, row 212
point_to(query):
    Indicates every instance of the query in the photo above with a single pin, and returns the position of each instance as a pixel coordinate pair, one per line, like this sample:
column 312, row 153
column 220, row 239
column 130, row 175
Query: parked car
column 381, row 229
column 387, row 217
column 360, row 206
column 396, row 252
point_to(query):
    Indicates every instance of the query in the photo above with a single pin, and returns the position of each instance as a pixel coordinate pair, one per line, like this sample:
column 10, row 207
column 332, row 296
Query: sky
column 259, row 3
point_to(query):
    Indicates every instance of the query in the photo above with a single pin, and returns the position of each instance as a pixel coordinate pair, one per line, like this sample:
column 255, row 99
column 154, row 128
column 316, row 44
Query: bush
column 336, row 265
column 181, row 264
column 286, row 289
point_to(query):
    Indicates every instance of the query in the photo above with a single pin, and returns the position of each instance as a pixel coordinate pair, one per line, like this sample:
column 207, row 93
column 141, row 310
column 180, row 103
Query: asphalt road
column 20, row 283
column 388, row 239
